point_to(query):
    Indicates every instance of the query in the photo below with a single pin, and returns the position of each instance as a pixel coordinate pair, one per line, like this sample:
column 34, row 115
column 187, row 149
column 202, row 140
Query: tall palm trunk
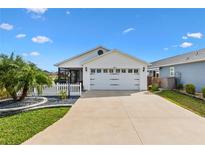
column 24, row 92
column 14, row 96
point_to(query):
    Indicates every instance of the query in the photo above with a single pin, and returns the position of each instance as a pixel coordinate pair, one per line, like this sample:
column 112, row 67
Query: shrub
column 63, row 94
column 55, row 80
column 155, row 87
column 3, row 94
column 180, row 86
column 203, row 92
column 150, row 87
column 190, row 89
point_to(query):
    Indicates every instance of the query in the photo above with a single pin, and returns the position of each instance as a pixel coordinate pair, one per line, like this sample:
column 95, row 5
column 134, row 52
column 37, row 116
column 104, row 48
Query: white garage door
column 114, row 79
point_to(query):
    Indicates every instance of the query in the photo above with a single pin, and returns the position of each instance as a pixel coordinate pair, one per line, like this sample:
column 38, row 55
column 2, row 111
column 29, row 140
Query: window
column 117, row 70
column 92, row 71
column 105, row 70
column 171, row 72
column 123, row 70
column 136, row 71
column 98, row 70
column 129, row 70
column 110, row 70
column 154, row 73
column 100, row 52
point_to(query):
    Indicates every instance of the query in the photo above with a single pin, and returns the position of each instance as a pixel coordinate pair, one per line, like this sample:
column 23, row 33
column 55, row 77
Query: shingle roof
column 190, row 57
column 57, row 64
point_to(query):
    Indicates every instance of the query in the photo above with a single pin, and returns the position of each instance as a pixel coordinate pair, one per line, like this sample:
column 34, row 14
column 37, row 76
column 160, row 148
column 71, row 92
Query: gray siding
column 190, row 73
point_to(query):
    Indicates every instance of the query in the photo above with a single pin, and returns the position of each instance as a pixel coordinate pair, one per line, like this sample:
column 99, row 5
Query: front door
column 73, row 76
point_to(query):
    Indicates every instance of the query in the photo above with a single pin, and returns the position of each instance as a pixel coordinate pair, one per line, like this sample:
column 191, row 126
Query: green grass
column 193, row 104
column 18, row 128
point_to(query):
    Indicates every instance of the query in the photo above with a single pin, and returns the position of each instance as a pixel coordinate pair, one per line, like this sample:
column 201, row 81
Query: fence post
column 80, row 88
column 68, row 89
column 57, row 88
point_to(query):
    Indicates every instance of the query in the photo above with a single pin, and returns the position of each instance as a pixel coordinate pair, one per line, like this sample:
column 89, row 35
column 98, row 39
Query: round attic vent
column 100, row 52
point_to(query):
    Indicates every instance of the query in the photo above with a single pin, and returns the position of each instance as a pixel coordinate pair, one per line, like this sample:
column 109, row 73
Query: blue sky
column 47, row 36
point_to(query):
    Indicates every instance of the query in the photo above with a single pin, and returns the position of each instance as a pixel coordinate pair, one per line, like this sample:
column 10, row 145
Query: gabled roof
column 190, row 57
column 82, row 54
column 122, row 53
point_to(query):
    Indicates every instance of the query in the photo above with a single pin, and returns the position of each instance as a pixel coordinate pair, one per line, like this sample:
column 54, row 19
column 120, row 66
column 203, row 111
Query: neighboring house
column 187, row 68
column 104, row 69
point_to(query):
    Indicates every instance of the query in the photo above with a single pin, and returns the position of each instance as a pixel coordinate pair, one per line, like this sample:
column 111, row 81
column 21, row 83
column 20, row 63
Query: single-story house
column 188, row 68
column 104, row 69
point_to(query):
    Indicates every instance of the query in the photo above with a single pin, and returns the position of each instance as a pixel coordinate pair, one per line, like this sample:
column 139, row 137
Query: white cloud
column 25, row 54
column 41, row 39
column 34, row 53
column 37, row 13
column 20, row 36
column 6, row 26
column 197, row 35
column 186, row 44
column 166, row 49
column 128, row 30
column 37, row 10
column 184, row 37
column 67, row 12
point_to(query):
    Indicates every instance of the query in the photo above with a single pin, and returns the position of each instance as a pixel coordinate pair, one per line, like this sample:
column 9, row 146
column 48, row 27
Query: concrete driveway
column 124, row 117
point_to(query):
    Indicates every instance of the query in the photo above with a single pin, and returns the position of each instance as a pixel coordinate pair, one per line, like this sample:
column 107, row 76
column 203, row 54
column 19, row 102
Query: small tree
column 16, row 75
column 32, row 77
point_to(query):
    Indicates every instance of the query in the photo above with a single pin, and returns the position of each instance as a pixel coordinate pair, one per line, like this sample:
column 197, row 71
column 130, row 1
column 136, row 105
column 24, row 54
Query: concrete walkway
column 124, row 117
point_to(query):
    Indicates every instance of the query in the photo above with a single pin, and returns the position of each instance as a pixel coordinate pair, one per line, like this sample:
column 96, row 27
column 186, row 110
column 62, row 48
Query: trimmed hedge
column 190, row 89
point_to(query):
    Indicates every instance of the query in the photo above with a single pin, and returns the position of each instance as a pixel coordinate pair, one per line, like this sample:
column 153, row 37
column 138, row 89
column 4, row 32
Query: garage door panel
column 125, row 81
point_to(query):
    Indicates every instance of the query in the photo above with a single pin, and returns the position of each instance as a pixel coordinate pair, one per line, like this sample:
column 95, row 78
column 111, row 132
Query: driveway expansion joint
column 130, row 119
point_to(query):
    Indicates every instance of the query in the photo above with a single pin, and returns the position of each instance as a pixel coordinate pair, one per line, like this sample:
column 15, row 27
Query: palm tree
column 16, row 75
column 10, row 66
column 32, row 77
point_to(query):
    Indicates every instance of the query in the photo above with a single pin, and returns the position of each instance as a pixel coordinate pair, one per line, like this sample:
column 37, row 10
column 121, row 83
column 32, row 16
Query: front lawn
column 193, row 104
column 20, row 127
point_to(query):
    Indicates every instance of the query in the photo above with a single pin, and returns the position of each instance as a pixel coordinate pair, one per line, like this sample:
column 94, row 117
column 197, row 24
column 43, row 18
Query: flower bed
column 197, row 95
column 11, row 105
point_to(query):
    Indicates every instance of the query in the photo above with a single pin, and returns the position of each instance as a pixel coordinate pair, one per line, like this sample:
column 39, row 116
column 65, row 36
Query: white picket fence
column 71, row 89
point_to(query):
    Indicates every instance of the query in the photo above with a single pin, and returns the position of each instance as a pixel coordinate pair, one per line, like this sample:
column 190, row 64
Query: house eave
column 134, row 58
column 171, row 64
column 86, row 52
